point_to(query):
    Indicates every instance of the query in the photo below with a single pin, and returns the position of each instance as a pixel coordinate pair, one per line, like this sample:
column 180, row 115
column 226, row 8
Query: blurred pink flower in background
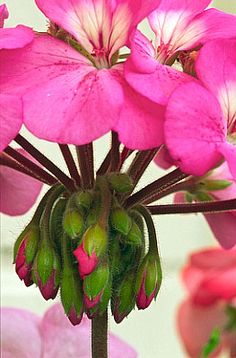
column 25, row 334
column 210, row 278
column 18, row 191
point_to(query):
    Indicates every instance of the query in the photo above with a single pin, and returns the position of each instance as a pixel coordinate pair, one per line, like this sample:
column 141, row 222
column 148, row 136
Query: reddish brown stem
column 206, row 207
column 48, row 164
column 19, row 162
column 65, row 150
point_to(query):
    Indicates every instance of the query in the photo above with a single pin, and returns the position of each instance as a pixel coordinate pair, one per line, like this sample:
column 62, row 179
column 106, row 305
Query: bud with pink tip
column 92, row 248
column 148, row 281
column 95, row 284
column 47, row 269
column 24, row 253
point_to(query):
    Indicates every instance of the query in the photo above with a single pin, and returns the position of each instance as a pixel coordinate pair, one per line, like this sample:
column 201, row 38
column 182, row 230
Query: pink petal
column 20, row 334
column 3, row 14
column 98, row 24
column 223, row 226
column 229, row 152
column 170, row 21
column 61, row 339
column 163, row 158
column 196, row 323
column 222, row 286
column 209, row 25
column 10, row 118
column 16, row 198
column 17, row 37
column 216, row 258
column 147, row 76
column 220, row 76
column 88, row 108
column 57, row 79
column 141, row 121
column 194, row 125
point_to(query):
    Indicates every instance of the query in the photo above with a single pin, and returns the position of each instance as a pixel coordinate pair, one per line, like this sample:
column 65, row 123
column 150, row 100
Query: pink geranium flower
column 201, row 117
column 210, row 277
column 15, row 196
column 73, row 98
column 10, row 105
column 26, row 335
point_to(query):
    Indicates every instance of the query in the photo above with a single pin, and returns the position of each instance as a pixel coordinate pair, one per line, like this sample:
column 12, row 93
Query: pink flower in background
column 201, row 120
column 223, row 225
column 26, row 335
column 11, row 105
column 18, row 191
column 87, row 92
column 210, row 277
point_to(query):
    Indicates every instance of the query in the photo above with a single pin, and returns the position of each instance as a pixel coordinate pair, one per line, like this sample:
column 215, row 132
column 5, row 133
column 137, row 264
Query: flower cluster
column 172, row 100
column 108, row 243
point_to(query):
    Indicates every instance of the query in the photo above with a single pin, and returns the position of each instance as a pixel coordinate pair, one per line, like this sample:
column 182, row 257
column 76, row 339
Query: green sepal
column 56, row 221
column 189, row 197
column 73, row 223
column 134, row 236
column 84, row 199
column 212, row 185
column 120, row 182
column 212, row 343
column 121, row 221
column 203, row 196
column 71, row 291
column 32, row 244
column 95, row 239
column 31, row 231
column 97, row 281
column 44, row 261
column 124, row 295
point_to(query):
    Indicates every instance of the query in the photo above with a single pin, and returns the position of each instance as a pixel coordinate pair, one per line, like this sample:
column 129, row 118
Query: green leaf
column 212, row 343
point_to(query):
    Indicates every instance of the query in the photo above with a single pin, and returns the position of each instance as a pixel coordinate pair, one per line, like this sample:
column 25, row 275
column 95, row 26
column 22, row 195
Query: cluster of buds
column 92, row 248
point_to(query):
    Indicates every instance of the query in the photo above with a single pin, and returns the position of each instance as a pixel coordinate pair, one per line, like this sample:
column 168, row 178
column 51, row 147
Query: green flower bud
column 32, row 235
column 123, row 301
column 84, row 199
column 120, row 182
column 56, row 222
column 95, row 284
column 73, row 223
column 72, row 295
column 203, row 196
column 134, row 236
column 121, row 221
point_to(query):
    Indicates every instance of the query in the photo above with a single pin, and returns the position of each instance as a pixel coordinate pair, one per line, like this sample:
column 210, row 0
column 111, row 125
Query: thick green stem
column 206, row 207
column 99, row 336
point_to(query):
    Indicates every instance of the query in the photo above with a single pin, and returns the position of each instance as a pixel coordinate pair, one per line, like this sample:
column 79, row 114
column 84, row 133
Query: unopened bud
column 95, row 284
column 47, row 270
column 84, row 199
column 123, row 300
column 121, row 221
column 72, row 295
column 24, row 253
column 134, row 236
column 148, row 281
column 120, row 182
column 73, row 223
column 92, row 248
column 102, row 305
